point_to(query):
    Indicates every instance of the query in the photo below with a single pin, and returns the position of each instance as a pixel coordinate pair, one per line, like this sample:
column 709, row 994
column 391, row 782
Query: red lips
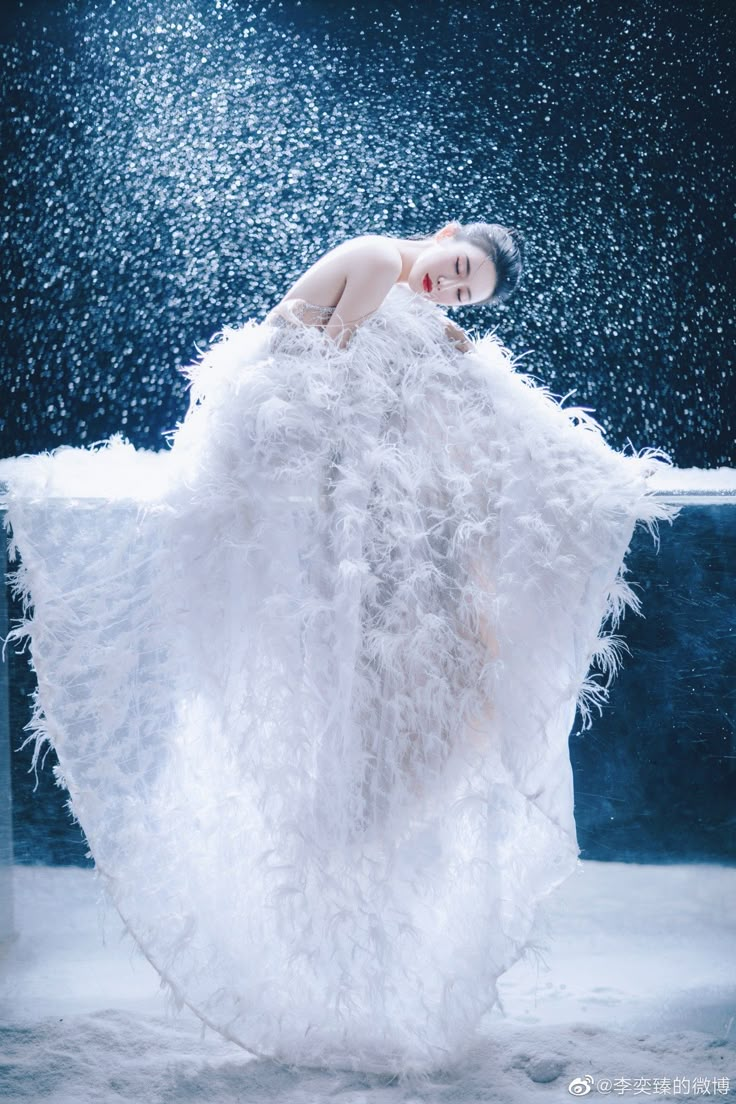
column 427, row 283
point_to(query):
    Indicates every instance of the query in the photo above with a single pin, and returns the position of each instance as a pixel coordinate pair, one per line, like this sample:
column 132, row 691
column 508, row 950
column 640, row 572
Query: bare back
column 354, row 279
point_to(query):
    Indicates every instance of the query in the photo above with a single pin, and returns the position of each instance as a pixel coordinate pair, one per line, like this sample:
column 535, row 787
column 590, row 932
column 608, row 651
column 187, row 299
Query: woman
column 458, row 266
column 310, row 673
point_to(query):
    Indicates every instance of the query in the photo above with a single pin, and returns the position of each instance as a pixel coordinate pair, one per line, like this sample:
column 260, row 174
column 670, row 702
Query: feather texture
column 310, row 674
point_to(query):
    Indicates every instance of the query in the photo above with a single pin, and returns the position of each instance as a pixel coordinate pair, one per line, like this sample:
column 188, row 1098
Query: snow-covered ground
column 638, row 982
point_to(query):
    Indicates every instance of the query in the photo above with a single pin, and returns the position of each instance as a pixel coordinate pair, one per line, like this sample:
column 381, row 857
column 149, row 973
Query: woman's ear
column 449, row 230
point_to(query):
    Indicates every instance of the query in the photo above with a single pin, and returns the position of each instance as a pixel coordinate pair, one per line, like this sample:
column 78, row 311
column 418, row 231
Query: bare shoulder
column 371, row 250
column 368, row 259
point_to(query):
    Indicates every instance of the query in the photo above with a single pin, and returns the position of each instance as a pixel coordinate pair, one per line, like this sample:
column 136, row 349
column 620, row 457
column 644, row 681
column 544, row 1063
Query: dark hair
column 505, row 246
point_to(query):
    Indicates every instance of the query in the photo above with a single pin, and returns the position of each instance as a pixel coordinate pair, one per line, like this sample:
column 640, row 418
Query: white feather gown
column 311, row 672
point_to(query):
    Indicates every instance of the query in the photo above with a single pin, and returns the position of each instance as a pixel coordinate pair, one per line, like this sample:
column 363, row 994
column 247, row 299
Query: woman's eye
column 457, row 266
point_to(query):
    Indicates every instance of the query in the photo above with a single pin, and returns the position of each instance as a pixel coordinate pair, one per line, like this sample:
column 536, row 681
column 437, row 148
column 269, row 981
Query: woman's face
column 452, row 272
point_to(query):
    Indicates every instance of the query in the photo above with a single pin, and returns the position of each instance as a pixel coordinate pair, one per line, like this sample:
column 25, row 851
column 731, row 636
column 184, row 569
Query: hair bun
column 519, row 241
column 505, row 246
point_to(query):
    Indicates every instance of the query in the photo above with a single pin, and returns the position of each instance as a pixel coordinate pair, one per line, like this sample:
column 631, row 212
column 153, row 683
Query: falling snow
column 172, row 167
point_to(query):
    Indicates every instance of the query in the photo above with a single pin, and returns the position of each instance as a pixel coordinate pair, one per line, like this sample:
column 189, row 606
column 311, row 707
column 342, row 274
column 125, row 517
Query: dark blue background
column 172, row 167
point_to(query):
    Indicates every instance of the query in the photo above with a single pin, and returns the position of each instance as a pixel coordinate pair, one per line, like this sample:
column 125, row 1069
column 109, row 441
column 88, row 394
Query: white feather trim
column 311, row 672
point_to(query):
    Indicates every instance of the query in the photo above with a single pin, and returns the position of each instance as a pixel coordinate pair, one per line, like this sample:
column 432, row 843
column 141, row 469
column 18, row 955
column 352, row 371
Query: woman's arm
column 351, row 282
column 370, row 273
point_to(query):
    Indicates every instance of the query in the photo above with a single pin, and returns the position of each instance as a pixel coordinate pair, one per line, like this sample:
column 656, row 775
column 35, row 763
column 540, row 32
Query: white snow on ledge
column 119, row 471
column 638, row 980
column 695, row 486
column 707, row 479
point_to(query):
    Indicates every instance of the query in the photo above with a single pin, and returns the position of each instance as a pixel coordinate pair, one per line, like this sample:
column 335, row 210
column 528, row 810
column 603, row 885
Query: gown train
column 310, row 674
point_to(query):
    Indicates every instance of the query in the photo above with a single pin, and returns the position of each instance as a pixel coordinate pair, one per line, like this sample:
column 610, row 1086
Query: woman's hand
column 458, row 337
